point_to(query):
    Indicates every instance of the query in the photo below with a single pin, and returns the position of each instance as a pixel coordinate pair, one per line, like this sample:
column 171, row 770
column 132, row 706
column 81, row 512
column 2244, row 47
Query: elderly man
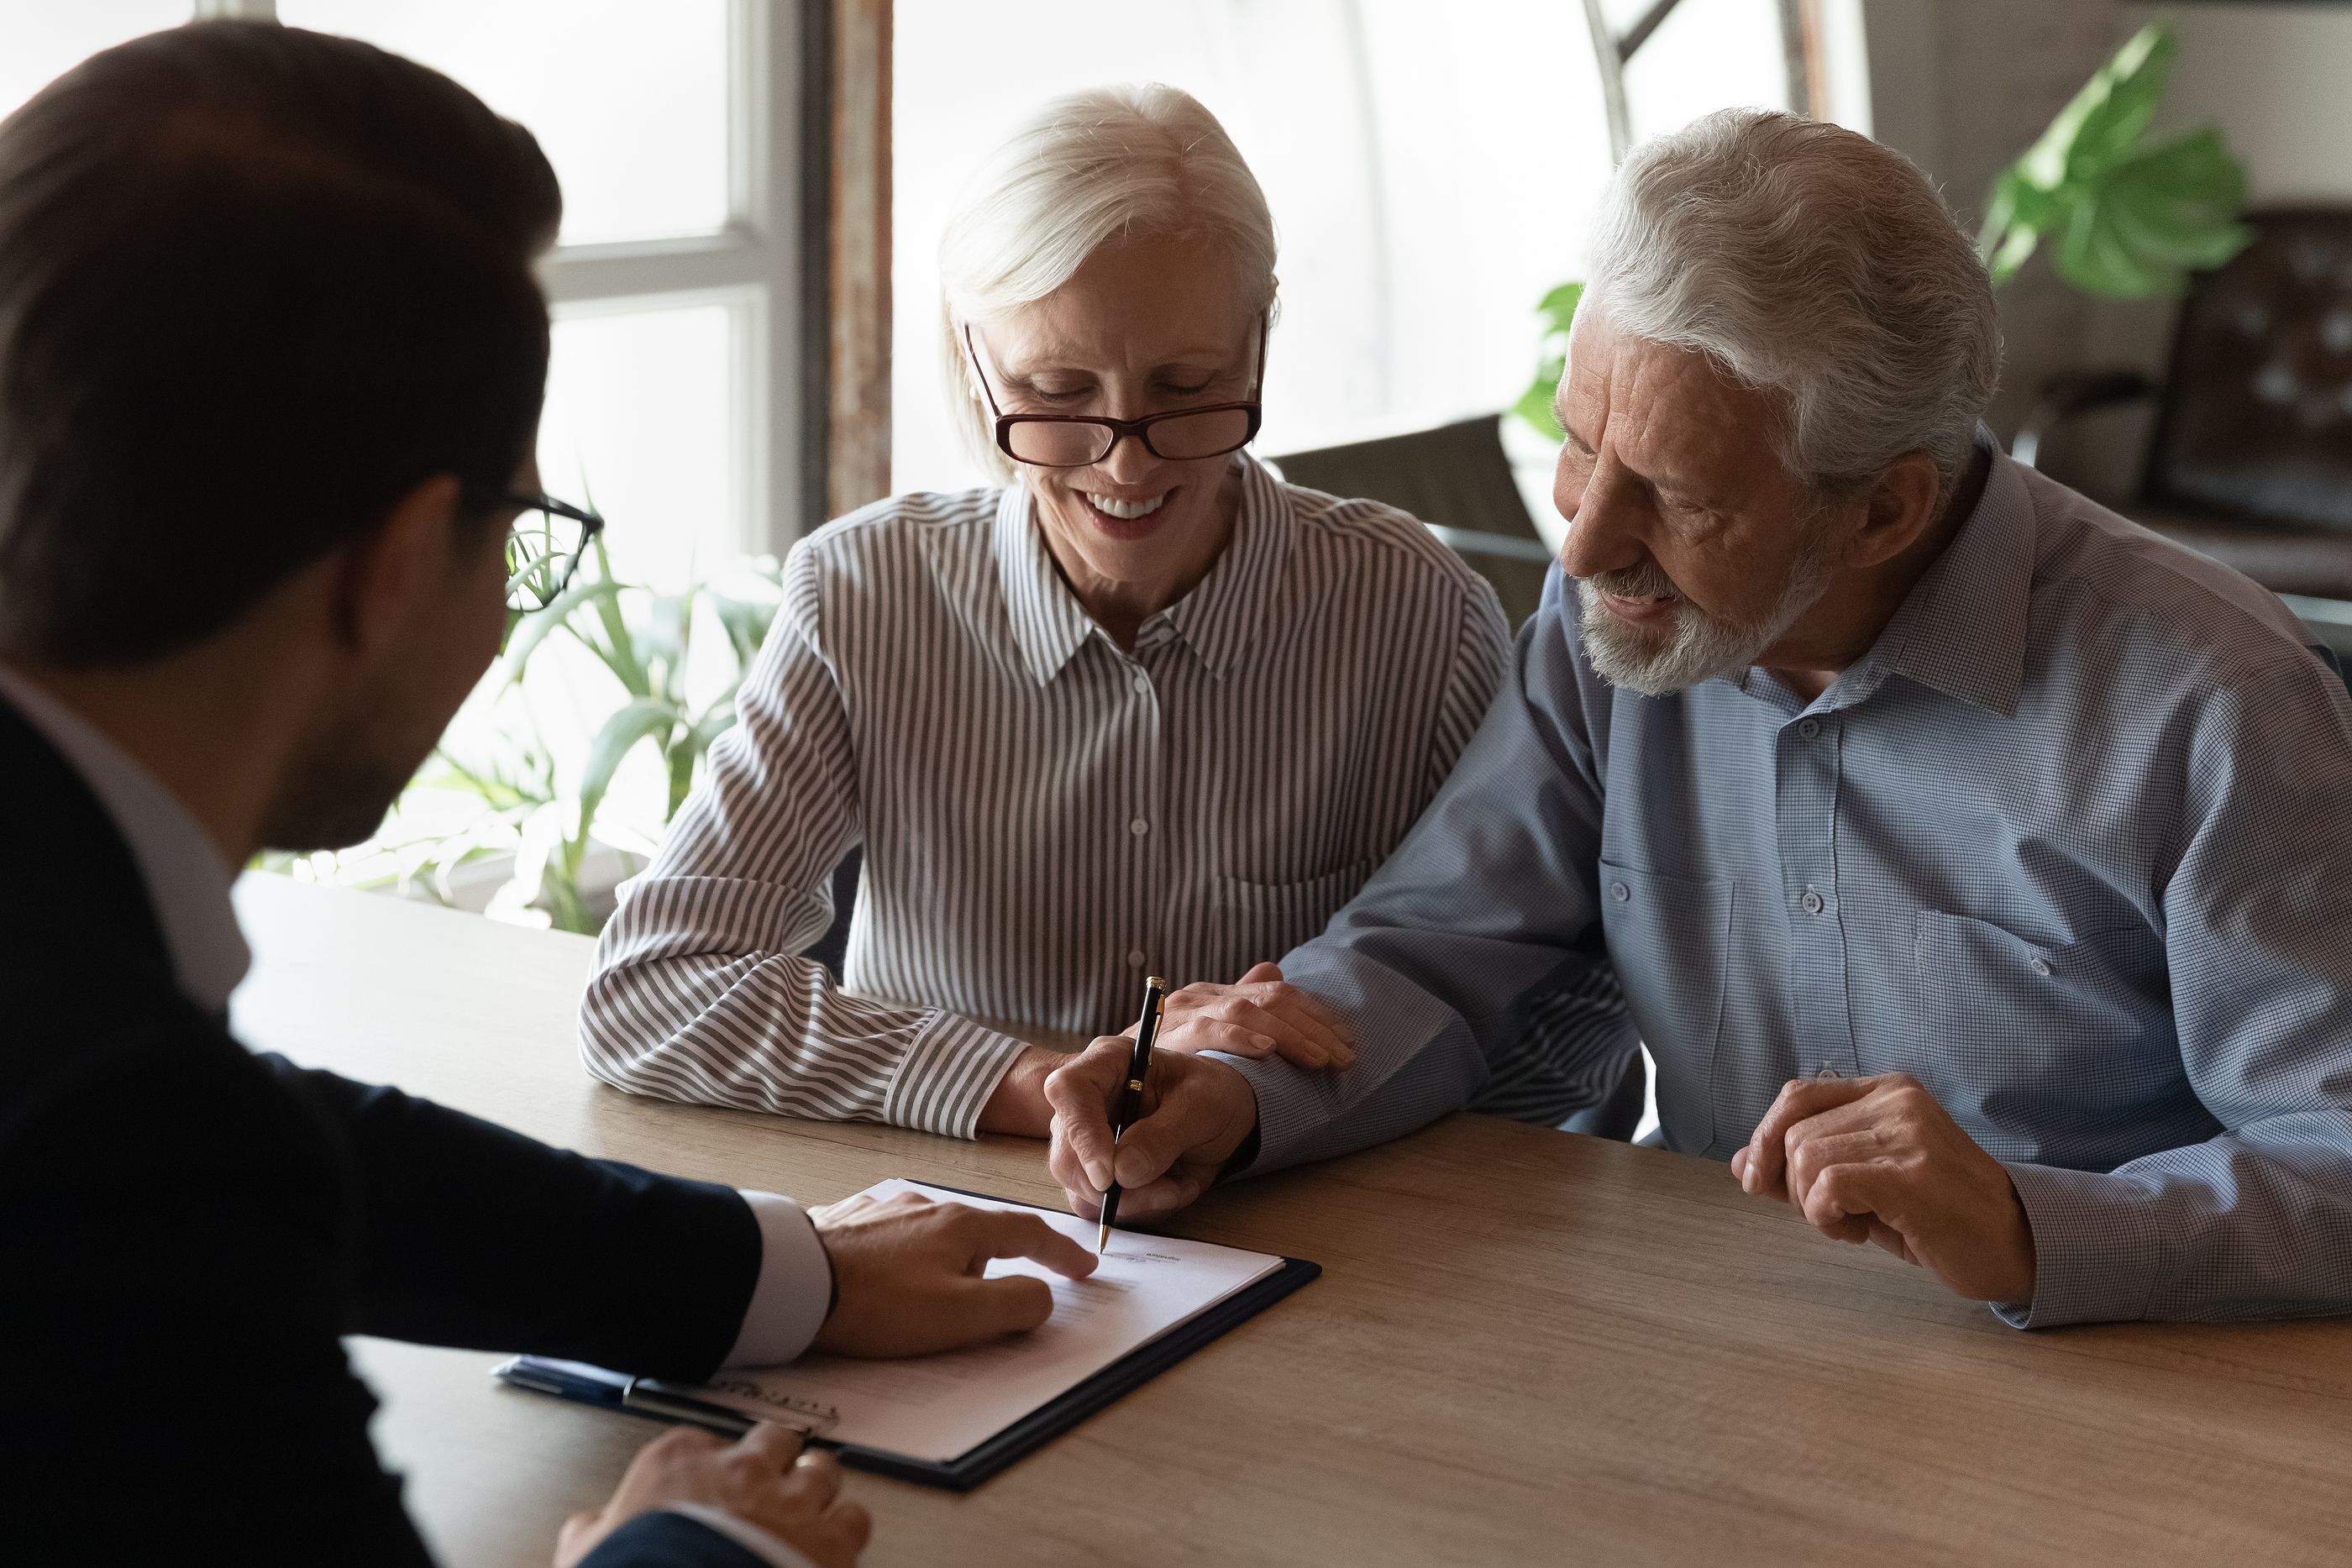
column 1976, row 862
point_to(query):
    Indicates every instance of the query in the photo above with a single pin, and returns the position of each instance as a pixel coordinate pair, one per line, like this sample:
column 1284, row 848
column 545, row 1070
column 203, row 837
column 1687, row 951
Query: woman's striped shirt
column 1045, row 819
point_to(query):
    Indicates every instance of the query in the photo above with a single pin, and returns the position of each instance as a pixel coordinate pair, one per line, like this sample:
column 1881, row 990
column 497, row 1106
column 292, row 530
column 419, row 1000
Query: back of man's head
column 256, row 283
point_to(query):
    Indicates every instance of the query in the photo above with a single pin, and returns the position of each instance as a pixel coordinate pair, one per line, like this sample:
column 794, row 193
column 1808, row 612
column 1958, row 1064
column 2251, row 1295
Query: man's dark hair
column 256, row 284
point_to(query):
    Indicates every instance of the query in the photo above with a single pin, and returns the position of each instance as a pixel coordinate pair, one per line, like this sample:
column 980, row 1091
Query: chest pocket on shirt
column 2083, row 1022
column 1262, row 920
column 1670, row 938
column 1314, row 900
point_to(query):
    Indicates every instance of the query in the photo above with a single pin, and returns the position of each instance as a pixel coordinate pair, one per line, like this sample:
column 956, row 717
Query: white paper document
column 940, row 1406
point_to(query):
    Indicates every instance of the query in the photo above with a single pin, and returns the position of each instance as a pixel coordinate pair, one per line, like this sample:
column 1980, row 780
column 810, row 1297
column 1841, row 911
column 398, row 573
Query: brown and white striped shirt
column 1045, row 819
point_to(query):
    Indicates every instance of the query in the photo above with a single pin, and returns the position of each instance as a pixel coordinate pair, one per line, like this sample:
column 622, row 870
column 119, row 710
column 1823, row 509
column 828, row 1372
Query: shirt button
column 1135, row 959
column 1138, row 827
column 1810, row 729
column 1143, row 685
column 2041, row 966
column 1812, row 902
column 1620, row 892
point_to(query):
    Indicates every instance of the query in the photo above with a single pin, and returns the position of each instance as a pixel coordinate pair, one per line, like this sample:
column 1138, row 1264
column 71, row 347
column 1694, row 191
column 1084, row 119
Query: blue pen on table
column 1130, row 1099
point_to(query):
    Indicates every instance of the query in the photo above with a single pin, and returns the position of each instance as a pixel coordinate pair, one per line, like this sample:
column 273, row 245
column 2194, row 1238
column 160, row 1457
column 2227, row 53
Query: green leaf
column 663, row 642
column 2128, row 222
column 619, row 649
column 1559, row 308
column 639, row 718
column 1535, row 407
column 2094, row 258
column 1556, row 313
column 536, row 626
column 2107, row 115
column 746, row 622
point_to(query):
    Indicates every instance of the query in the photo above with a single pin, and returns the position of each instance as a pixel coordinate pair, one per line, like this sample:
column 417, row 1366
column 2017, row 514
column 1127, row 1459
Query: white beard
column 1699, row 647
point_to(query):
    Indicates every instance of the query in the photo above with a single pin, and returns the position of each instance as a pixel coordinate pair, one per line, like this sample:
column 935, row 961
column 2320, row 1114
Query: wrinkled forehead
column 1671, row 414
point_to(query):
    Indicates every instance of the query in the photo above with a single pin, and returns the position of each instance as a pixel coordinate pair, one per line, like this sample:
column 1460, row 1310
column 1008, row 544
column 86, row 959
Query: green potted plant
column 500, row 826
column 2128, row 218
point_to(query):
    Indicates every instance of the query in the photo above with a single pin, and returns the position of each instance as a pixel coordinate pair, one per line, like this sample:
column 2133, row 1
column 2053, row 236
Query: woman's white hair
column 1109, row 162
column 1811, row 261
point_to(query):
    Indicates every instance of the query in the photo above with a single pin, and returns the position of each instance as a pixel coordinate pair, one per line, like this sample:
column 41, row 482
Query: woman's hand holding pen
column 1196, row 1112
column 1258, row 1015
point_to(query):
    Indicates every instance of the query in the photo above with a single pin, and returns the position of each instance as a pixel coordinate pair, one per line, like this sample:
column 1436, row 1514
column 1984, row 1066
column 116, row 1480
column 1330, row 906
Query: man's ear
column 395, row 571
column 1901, row 508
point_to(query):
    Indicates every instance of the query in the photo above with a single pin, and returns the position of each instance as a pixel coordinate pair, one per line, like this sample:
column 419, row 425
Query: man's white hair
column 1811, row 261
column 1103, row 164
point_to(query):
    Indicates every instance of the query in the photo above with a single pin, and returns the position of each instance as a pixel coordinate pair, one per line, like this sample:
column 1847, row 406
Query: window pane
column 629, row 99
column 39, row 39
column 637, row 423
column 1430, row 177
column 1708, row 54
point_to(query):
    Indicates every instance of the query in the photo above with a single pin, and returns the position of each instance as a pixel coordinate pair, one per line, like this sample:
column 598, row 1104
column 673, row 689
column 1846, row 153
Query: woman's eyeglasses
column 544, row 547
column 1075, row 439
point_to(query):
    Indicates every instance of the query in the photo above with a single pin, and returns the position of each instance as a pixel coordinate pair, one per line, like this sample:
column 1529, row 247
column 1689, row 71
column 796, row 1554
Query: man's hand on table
column 764, row 1480
column 1876, row 1159
column 1259, row 1015
column 909, row 1275
column 1196, row 1113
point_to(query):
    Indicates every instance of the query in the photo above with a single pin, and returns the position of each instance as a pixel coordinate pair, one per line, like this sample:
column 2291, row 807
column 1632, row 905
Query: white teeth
column 1126, row 511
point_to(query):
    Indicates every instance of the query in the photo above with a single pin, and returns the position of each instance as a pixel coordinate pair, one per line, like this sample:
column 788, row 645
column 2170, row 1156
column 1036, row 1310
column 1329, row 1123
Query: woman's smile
column 1128, row 518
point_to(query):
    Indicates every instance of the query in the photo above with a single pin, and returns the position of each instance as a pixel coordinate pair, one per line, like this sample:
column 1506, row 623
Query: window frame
column 754, row 267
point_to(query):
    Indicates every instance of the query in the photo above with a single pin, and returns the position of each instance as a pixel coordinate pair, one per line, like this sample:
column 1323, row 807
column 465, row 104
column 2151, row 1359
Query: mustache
column 1648, row 580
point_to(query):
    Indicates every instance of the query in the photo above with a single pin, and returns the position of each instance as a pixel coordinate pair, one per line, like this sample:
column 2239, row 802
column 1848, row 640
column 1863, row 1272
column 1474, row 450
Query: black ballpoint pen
column 1130, row 1099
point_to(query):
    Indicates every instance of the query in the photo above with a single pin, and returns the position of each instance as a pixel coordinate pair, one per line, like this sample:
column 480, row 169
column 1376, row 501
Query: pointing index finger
column 1000, row 1233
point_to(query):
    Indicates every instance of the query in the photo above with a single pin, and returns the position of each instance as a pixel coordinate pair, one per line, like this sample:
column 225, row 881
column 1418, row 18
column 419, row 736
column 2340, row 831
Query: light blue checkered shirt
column 2073, row 844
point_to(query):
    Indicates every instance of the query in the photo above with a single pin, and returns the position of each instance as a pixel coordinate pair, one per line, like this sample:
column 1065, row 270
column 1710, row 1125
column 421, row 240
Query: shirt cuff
column 946, row 1077
column 2095, row 1248
column 769, row 1549
column 794, row 1291
column 1290, row 1106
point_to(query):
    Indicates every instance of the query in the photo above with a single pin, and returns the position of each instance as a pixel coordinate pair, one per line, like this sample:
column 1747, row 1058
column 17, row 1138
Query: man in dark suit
column 271, row 358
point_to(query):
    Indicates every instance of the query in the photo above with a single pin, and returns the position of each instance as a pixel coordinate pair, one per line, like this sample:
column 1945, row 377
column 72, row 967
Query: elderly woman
column 1144, row 709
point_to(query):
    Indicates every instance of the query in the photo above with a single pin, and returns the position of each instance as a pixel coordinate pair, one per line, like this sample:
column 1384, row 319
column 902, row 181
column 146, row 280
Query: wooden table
column 1526, row 1347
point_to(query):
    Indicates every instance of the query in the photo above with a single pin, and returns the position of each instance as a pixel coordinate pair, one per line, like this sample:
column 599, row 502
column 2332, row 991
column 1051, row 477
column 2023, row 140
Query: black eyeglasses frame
column 1121, row 429
column 527, row 502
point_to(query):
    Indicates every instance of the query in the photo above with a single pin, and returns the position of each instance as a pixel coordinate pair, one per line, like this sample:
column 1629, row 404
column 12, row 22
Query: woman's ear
column 1901, row 508
column 396, row 572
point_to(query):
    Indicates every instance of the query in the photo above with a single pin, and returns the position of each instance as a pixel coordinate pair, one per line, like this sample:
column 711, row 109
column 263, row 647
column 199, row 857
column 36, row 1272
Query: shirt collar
column 187, row 881
column 1217, row 620
column 1962, row 628
column 1220, row 617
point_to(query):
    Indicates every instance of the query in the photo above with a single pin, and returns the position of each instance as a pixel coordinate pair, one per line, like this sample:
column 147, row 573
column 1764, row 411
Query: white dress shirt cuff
column 767, row 1549
column 794, row 1291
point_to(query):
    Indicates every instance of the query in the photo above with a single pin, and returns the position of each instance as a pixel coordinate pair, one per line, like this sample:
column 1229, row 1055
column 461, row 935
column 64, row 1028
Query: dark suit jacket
column 186, row 1229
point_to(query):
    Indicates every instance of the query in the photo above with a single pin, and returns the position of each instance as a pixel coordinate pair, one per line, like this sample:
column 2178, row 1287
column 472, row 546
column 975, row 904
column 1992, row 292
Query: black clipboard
column 968, row 1470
